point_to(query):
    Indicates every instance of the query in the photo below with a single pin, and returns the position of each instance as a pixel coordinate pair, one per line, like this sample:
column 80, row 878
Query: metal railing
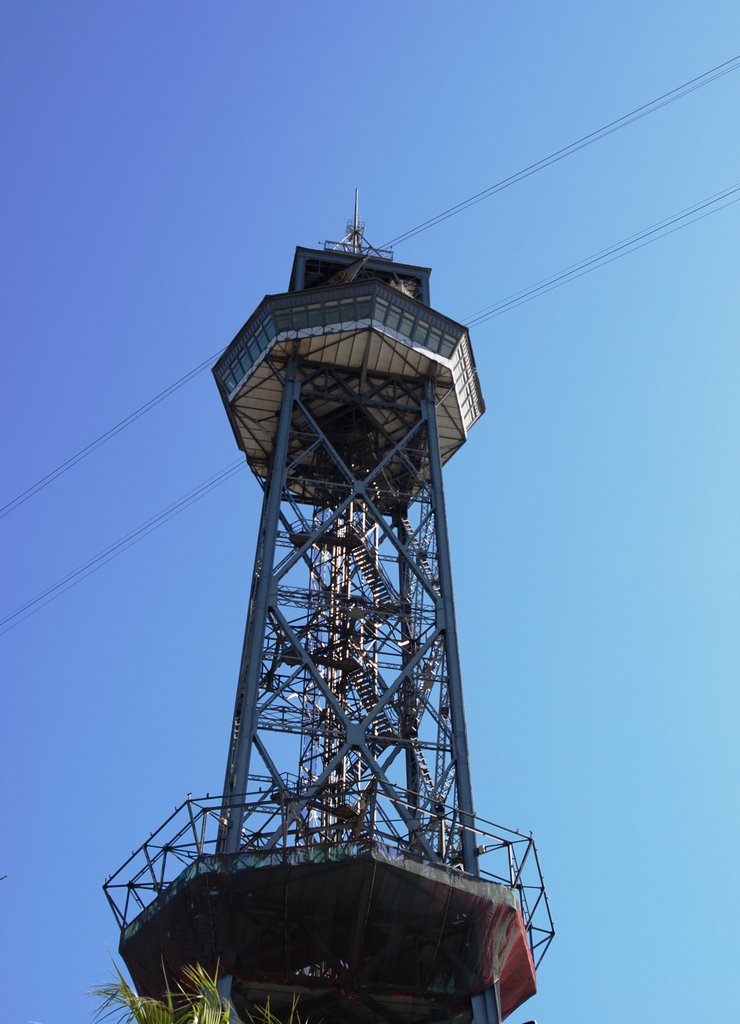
column 505, row 856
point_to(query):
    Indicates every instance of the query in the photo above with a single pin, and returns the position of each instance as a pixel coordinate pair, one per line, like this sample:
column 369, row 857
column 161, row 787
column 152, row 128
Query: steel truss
column 349, row 698
column 191, row 832
column 348, row 777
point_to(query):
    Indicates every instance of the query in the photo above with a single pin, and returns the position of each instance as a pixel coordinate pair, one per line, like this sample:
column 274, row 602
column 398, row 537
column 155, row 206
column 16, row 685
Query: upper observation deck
column 360, row 314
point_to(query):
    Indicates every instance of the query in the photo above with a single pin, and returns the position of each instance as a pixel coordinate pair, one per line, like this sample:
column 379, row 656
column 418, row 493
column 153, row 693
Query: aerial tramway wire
column 587, row 140
column 661, row 229
column 685, row 89
column 87, row 568
column 50, row 477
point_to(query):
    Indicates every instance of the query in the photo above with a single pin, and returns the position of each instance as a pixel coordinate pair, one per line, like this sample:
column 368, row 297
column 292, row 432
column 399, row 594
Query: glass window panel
column 448, row 345
column 381, row 308
column 394, row 318
column 407, row 322
column 364, row 306
column 332, row 312
column 315, row 314
column 420, row 332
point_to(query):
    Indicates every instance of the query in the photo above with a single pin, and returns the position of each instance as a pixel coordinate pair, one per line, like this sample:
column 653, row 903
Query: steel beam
column 237, row 769
column 446, row 618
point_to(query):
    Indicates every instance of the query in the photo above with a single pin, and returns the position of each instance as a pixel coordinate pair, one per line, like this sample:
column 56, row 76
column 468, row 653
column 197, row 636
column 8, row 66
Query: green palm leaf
column 197, row 1001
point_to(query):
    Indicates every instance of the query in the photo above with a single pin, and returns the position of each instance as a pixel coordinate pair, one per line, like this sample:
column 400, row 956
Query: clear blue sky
column 161, row 163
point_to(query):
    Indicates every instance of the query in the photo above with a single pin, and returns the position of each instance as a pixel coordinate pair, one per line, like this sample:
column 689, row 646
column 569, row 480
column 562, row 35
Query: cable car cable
column 719, row 71
column 608, row 255
column 71, row 579
column 600, row 133
column 661, row 229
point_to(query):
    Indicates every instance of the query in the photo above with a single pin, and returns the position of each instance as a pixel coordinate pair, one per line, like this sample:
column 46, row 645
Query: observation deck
column 367, row 326
column 397, row 937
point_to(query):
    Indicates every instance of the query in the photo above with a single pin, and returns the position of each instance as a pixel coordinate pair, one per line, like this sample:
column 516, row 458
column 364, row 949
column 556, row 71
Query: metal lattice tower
column 348, row 775
column 351, row 652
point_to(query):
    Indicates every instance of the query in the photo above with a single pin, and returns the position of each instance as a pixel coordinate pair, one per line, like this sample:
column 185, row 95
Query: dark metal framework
column 351, row 669
column 348, row 746
column 506, row 857
column 354, row 240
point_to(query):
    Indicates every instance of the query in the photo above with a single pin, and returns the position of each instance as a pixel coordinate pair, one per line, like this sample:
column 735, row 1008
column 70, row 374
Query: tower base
column 357, row 932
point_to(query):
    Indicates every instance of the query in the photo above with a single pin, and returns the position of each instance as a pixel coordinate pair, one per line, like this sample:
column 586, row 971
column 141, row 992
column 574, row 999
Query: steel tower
column 344, row 860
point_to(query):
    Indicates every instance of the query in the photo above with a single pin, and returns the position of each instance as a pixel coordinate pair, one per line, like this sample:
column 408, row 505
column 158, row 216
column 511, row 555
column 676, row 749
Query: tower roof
column 317, row 268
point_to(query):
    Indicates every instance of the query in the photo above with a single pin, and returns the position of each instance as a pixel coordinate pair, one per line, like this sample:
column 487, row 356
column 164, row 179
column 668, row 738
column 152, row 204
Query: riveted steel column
column 487, row 1006
column 446, row 618
column 237, row 769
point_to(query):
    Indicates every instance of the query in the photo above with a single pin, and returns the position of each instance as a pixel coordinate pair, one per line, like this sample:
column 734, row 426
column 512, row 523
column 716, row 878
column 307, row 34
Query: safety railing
column 505, row 856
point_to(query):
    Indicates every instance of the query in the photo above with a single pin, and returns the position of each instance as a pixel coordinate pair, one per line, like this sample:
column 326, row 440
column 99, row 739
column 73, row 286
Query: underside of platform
column 369, row 937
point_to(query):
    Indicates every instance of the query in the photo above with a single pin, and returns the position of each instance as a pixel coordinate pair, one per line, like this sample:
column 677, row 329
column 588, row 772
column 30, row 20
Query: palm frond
column 264, row 1014
column 119, row 1001
column 196, row 1000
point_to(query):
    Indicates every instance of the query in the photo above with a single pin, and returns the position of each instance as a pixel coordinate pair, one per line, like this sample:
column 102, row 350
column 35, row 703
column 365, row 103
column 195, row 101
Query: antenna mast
column 354, row 239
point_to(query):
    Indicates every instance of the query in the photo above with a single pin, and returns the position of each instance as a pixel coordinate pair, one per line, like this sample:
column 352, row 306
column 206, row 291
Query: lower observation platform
column 361, row 932
column 365, row 935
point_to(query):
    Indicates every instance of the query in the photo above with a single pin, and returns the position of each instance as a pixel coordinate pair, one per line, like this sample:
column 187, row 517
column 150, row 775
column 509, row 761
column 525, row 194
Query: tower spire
column 354, row 238
column 356, row 229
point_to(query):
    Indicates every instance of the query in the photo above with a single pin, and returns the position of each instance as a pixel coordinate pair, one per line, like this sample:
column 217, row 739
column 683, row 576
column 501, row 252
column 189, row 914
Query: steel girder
column 349, row 698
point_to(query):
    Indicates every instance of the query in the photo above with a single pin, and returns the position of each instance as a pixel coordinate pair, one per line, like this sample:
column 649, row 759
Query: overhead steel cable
column 86, row 569
column 621, row 122
column 587, row 140
column 661, row 229
column 50, row 477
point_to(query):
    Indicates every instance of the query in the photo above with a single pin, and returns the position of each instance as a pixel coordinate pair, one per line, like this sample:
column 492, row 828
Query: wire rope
column 71, row 579
column 661, row 229
column 88, row 449
column 669, row 225
column 637, row 114
column 719, row 71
